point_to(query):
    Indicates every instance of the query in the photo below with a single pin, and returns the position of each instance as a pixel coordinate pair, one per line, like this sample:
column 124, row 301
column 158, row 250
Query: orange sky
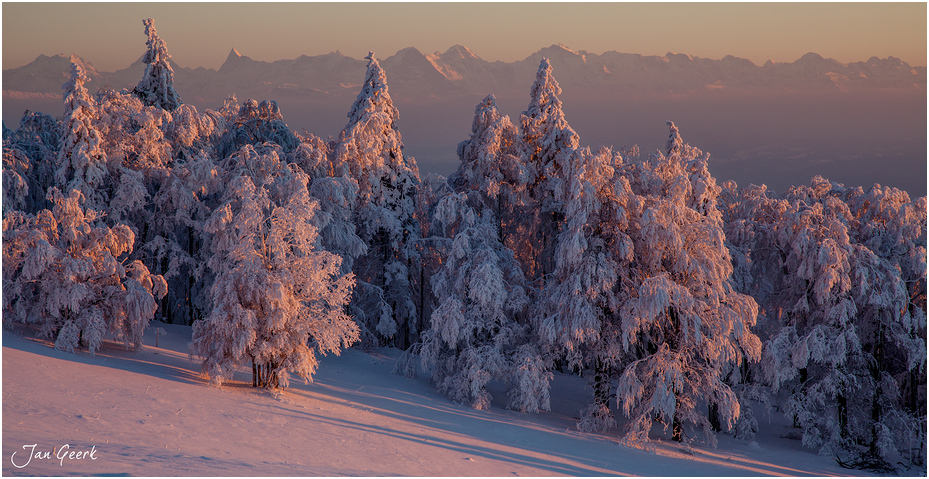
column 111, row 36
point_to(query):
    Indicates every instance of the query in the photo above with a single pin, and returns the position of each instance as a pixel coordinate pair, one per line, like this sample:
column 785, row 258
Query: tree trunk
column 273, row 380
column 254, row 374
column 843, row 414
column 422, row 301
column 875, row 418
column 189, row 320
column 677, row 431
column 714, row 416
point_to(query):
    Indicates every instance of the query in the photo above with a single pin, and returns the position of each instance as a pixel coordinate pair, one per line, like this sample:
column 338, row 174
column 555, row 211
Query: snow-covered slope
column 150, row 412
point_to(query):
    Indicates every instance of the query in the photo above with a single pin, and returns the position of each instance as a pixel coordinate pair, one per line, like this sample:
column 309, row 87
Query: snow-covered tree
column 577, row 318
column 490, row 161
column 81, row 160
column 845, row 325
column 38, row 136
column 546, row 136
column 477, row 331
column 686, row 327
column 133, row 134
column 278, row 298
column 190, row 131
column 30, row 156
column 177, row 245
column 62, row 270
column 474, row 330
column 336, row 197
column 17, row 187
column 492, row 165
column 138, row 157
column 548, row 143
column 156, row 88
column 312, row 155
column 369, row 150
column 254, row 124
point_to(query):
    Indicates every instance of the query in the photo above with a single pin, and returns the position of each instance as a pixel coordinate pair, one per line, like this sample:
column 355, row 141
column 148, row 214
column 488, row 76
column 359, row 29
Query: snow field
column 151, row 412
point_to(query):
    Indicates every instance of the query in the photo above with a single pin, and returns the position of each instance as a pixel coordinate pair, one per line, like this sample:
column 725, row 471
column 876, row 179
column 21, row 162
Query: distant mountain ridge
column 415, row 76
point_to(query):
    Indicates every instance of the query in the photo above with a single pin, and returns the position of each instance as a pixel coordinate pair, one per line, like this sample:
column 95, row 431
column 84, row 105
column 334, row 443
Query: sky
column 111, row 35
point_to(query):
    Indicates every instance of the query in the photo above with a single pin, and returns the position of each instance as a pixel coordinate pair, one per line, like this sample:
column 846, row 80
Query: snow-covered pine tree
column 17, row 181
column 547, row 142
column 256, row 123
column 369, row 150
column 61, row 271
column 81, row 161
column 490, row 162
column 577, row 319
column 30, row 156
column 474, row 331
column 278, row 298
column 686, row 327
column 336, row 197
column 546, row 136
column 491, row 165
column 156, row 88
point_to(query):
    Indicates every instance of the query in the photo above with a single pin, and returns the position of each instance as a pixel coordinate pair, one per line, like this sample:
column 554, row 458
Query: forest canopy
column 684, row 302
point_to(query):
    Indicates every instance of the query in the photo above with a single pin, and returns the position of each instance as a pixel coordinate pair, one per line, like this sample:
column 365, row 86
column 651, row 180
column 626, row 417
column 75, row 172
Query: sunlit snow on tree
column 156, row 87
column 687, row 306
column 369, row 150
column 840, row 274
column 278, row 300
column 62, row 272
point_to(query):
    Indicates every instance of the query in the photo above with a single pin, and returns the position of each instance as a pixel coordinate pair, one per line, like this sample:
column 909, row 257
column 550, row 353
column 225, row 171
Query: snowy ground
column 150, row 412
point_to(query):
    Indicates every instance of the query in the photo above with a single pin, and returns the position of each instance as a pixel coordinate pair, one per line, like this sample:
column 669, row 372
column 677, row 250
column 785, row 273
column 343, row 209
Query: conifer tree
column 548, row 143
column 492, row 166
column 688, row 329
column 577, row 318
column 369, row 150
column 156, row 88
column 81, row 161
column 474, row 331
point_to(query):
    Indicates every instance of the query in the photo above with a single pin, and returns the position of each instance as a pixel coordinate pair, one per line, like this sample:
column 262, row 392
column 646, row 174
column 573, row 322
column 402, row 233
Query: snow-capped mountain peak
column 459, row 51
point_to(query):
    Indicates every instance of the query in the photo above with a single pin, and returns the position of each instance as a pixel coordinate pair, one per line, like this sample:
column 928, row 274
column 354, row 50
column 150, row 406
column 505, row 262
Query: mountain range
column 458, row 72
